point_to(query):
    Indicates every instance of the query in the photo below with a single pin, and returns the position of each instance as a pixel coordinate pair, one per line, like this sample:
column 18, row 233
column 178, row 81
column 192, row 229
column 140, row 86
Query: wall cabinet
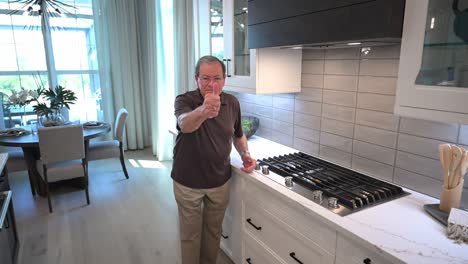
column 261, row 71
column 433, row 71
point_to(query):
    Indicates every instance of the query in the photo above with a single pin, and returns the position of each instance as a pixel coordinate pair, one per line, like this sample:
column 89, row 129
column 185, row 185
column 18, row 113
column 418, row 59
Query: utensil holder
column 451, row 198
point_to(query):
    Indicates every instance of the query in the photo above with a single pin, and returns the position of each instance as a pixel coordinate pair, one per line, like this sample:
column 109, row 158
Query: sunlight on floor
column 148, row 164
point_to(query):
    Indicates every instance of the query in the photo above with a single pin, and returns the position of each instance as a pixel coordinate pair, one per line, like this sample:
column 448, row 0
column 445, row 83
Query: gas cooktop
column 342, row 191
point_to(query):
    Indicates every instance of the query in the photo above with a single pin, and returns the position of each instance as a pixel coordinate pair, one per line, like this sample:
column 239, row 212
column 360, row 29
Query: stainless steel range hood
column 318, row 24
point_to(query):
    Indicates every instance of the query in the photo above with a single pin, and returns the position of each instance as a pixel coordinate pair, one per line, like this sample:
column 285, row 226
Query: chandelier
column 44, row 9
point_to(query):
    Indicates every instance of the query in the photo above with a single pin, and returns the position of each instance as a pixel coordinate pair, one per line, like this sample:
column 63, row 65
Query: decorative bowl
column 250, row 125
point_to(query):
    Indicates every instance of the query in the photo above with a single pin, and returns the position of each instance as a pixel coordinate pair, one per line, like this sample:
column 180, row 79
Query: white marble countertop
column 400, row 229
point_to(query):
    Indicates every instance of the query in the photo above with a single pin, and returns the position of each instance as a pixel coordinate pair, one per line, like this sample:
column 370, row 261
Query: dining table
column 29, row 143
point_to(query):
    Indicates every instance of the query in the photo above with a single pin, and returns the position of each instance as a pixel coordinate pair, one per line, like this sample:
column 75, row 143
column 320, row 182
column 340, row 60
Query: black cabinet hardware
column 252, row 224
column 367, row 261
column 293, row 255
column 248, row 260
column 225, row 237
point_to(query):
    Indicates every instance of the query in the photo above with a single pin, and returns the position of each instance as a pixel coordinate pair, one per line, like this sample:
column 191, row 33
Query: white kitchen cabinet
column 231, row 240
column 255, row 252
column 260, row 71
column 433, row 70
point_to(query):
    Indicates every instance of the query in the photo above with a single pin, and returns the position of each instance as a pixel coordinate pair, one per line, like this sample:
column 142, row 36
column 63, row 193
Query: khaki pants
column 200, row 226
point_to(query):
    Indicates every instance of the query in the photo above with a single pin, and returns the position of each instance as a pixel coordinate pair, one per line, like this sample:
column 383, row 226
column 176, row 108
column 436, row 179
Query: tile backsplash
column 344, row 113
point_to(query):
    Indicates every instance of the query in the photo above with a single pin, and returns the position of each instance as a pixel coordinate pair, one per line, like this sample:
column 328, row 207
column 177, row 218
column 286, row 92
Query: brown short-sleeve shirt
column 201, row 158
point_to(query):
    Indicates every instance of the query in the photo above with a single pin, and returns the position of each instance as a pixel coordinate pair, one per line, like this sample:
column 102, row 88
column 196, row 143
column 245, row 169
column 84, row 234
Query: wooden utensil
column 456, row 158
column 464, row 166
column 447, row 153
column 445, row 164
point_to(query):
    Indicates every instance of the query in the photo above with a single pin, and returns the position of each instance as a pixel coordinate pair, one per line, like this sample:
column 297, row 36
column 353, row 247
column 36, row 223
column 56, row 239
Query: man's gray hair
column 209, row 59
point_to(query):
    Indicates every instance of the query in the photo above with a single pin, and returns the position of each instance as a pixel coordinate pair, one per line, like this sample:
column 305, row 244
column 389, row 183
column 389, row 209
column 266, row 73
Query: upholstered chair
column 62, row 156
column 112, row 148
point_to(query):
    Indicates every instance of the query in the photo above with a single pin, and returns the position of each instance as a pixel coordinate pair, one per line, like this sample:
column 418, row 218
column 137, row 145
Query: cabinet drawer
column 256, row 253
column 287, row 211
column 282, row 239
column 226, row 236
column 352, row 251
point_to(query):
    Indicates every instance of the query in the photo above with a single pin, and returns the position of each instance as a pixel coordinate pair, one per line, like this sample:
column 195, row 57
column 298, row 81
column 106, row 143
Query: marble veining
column 400, row 229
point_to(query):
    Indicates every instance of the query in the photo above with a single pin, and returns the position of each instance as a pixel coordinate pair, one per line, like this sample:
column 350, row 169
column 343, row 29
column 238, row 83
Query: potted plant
column 49, row 103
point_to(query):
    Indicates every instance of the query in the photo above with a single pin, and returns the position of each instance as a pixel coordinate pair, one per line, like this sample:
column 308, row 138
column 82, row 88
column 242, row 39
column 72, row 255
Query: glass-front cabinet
column 433, row 71
column 271, row 70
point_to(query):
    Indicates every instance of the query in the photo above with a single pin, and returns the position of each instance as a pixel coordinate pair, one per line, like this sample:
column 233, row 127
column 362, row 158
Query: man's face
column 211, row 74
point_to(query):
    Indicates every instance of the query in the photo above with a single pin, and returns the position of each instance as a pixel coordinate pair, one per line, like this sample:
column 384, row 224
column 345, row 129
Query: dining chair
column 111, row 148
column 62, row 156
column 17, row 162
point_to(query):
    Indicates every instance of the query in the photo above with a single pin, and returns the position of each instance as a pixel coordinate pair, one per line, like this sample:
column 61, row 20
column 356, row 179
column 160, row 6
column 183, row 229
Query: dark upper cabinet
column 303, row 22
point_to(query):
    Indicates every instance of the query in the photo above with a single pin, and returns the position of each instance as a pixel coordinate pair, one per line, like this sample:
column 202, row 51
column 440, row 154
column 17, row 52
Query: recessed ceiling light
column 354, row 43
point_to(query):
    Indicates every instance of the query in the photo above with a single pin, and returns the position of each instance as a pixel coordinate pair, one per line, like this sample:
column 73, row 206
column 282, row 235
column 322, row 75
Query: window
column 67, row 55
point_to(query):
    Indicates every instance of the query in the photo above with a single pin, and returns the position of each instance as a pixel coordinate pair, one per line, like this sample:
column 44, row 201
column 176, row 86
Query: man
column 209, row 122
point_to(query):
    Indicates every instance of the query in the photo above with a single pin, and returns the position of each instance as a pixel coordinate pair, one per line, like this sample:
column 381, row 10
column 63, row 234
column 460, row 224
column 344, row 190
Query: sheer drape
column 122, row 47
column 144, row 64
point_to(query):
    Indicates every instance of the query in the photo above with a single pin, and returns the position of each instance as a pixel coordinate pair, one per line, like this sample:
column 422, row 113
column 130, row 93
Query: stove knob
column 332, row 202
column 288, row 181
column 265, row 170
column 317, row 196
column 257, row 166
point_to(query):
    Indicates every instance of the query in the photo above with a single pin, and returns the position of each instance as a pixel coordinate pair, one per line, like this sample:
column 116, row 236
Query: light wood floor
column 128, row 221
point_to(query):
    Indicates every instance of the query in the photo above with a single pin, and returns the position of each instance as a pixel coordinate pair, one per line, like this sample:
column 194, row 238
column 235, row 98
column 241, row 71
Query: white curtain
column 122, row 51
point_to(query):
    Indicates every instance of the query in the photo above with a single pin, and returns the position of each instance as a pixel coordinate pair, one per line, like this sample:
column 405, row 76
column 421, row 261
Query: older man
column 209, row 122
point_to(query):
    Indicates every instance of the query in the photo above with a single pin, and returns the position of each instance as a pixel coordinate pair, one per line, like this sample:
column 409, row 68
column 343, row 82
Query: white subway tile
column 338, row 112
column 336, row 156
column 284, row 95
column 310, row 94
column 307, row 121
column 463, row 137
column 429, row 129
column 283, row 115
column 265, row 100
column 417, row 182
column 377, row 102
column 281, row 138
column 374, row 152
column 312, row 80
column 375, row 119
column 306, row 107
column 336, row 127
column 372, row 168
column 378, row 85
column 283, row 127
column 306, row 134
column 338, row 142
column 419, row 164
column 333, row 54
column 340, row 82
column 313, row 54
column 419, row 146
column 344, row 67
column 249, row 98
column 264, row 111
column 312, row 66
column 247, row 107
column 264, row 133
column 283, row 103
column 379, row 67
column 382, row 52
column 376, row 136
column 266, row 123
column 340, row 98
column 306, row 146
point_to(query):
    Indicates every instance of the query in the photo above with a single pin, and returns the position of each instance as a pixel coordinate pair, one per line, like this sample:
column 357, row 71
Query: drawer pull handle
column 227, row 67
column 293, row 255
column 225, row 237
column 367, row 261
column 252, row 224
column 248, row 260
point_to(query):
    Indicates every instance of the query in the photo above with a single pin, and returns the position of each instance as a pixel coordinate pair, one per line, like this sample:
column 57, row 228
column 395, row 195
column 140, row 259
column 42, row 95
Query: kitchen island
column 267, row 221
